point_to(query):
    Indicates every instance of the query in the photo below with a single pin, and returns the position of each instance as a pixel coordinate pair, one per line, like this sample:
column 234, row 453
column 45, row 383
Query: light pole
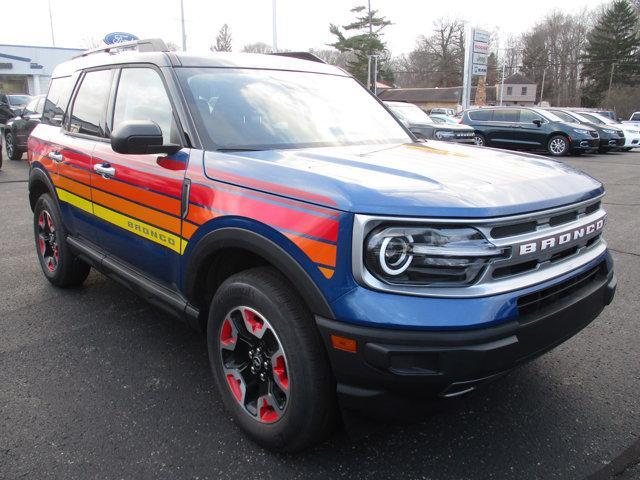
column 274, row 27
column 53, row 38
column 184, row 35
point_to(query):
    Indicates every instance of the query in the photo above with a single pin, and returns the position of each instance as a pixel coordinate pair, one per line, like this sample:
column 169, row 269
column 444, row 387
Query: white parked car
column 634, row 119
column 631, row 131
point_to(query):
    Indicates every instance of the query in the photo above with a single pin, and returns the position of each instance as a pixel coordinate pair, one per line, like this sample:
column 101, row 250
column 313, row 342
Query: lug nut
column 265, row 364
column 263, row 377
column 254, row 370
column 251, row 354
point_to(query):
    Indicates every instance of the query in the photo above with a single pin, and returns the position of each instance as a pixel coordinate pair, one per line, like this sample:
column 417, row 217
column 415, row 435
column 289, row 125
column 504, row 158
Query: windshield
column 15, row 100
column 565, row 116
column 411, row 113
column 594, row 117
column 267, row 109
column 552, row 117
column 445, row 119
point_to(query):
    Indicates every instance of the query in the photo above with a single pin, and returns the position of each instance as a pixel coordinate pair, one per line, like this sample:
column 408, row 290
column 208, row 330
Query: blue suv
column 330, row 258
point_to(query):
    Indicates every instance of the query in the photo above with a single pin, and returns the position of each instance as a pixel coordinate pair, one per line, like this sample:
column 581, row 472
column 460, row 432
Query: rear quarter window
column 57, row 100
column 481, row 115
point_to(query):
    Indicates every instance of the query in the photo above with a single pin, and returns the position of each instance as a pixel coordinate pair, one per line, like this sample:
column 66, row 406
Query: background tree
column 612, row 45
column 444, row 52
column 332, row 56
column 223, row 40
column 258, row 47
column 366, row 40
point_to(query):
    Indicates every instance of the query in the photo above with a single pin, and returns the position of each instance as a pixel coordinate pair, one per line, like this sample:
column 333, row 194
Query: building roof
column 518, row 79
column 423, row 95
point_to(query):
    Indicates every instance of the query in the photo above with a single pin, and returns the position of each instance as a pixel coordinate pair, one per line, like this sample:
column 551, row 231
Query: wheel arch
column 240, row 248
column 39, row 183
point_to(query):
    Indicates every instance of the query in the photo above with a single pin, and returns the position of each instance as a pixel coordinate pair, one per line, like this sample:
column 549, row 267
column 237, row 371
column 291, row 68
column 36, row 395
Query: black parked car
column 529, row 128
column 610, row 137
column 12, row 105
column 423, row 127
column 18, row 129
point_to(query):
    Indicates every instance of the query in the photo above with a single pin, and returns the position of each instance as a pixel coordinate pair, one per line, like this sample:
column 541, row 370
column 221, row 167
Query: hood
column 581, row 126
column 433, row 179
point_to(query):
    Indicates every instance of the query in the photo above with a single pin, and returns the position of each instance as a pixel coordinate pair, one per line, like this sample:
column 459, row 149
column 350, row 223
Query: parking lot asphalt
column 96, row 383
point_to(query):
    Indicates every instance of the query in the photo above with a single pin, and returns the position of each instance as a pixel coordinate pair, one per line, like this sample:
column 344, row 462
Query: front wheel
column 269, row 362
column 479, row 140
column 558, row 146
column 627, row 149
column 13, row 151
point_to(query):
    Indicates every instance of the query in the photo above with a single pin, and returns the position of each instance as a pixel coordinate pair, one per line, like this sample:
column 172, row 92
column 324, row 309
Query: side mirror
column 537, row 123
column 140, row 137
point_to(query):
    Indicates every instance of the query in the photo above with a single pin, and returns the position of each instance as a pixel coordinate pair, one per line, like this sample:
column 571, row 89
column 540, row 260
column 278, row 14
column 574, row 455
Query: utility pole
column 184, row 35
column 613, row 66
column 53, row 38
column 370, row 54
column 274, row 28
column 502, row 82
column 544, row 74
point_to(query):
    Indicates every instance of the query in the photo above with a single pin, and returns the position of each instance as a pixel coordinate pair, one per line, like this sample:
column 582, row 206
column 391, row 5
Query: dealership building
column 27, row 69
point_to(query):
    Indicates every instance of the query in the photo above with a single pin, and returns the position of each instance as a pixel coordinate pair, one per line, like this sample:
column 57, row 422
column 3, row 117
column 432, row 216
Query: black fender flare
column 37, row 174
column 234, row 237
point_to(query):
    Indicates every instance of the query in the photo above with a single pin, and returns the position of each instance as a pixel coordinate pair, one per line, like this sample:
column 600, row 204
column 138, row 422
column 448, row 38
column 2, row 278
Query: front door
column 137, row 198
column 532, row 134
column 504, row 126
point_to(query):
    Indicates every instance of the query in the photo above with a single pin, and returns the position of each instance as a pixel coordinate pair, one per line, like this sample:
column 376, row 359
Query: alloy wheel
column 47, row 241
column 9, row 145
column 479, row 141
column 254, row 364
column 558, row 146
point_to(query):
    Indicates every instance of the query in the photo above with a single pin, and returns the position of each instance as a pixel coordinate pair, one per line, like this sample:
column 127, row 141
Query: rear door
column 137, row 198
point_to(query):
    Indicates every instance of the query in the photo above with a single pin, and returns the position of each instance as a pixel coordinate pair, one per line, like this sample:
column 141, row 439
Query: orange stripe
column 188, row 229
column 141, row 195
column 145, row 214
column 327, row 272
column 318, row 252
column 73, row 187
column 200, row 215
column 76, row 174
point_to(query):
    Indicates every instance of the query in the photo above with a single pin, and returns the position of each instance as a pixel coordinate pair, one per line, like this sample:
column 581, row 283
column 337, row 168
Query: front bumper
column 394, row 366
column 584, row 144
column 631, row 141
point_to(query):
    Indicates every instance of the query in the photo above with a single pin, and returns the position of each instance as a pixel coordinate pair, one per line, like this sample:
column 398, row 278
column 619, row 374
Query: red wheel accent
column 41, row 244
column 280, row 371
column 227, row 336
column 236, row 387
column 254, row 322
column 267, row 412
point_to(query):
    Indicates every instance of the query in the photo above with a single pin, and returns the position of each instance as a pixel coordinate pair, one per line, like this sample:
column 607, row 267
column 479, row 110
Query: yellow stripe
column 142, row 229
column 75, row 200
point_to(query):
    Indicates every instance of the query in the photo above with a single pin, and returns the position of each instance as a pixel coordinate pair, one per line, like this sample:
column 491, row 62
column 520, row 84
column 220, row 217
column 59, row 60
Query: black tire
column 13, row 152
column 626, row 149
column 63, row 269
column 558, row 146
column 310, row 411
column 480, row 140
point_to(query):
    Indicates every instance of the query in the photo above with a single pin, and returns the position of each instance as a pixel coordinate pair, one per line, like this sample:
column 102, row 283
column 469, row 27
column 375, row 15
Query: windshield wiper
column 239, row 149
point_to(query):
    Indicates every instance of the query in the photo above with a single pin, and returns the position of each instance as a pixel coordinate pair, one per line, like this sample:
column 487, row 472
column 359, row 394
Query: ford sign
column 118, row 37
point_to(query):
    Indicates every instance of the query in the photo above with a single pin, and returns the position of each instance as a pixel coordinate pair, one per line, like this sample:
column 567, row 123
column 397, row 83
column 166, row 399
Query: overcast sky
column 302, row 24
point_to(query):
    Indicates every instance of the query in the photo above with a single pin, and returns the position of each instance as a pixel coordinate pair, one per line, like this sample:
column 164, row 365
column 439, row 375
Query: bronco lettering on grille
column 563, row 239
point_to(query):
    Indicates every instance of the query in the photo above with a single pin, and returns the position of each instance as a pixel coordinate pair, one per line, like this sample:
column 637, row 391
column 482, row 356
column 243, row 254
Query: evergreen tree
column 613, row 40
column 223, row 40
column 367, row 28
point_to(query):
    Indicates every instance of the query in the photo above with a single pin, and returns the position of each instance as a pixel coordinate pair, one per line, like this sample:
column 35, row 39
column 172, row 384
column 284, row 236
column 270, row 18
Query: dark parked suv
column 529, row 128
column 19, row 128
column 610, row 137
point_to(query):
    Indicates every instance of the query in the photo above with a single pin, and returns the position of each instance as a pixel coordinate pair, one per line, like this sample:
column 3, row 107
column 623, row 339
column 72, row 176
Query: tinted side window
column 527, row 116
column 90, row 106
column 506, row 115
column 57, row 100
column 481, row 115
column 635, row 117
column 142, row 96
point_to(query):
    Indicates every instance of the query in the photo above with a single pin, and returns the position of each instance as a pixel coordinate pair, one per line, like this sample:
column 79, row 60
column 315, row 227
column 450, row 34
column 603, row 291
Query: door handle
column 55, row 156
column 104, row 169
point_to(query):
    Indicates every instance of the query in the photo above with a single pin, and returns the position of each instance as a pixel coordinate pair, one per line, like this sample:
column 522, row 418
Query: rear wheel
column 479, row 140
column 58, row 263
column 13, row 151
column 269, row 362
column 558, row 146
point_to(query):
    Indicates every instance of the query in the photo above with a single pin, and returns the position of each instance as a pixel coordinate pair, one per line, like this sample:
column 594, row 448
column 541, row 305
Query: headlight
column 581, row 131
column 609, row 131
column 443, row 134
column 435, row 256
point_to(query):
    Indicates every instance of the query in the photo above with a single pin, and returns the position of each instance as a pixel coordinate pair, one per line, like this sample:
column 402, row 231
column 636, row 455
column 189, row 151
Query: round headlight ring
column 395, row 263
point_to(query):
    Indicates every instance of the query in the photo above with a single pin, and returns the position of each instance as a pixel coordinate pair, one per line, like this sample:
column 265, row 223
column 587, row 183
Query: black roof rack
column 301, row 55
column 147, row 45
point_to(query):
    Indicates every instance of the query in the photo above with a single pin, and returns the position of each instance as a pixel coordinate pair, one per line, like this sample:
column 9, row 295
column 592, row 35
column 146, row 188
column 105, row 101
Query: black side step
column 155, row 293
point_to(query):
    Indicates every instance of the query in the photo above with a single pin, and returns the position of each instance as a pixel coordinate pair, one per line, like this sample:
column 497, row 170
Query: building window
column 524, row 91
column 509, row 90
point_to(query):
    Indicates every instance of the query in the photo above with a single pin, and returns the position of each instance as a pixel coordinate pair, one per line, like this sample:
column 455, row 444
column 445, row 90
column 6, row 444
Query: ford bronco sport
column 331, row 259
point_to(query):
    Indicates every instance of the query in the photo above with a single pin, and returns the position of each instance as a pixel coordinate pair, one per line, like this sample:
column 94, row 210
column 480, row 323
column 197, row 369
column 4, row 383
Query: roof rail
column 147, row 45
column 301, row 55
